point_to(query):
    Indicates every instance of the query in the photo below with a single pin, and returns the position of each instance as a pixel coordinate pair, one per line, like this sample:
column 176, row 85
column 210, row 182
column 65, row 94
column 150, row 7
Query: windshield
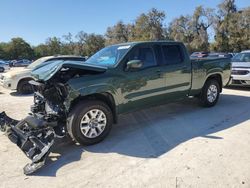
column 109, row 56
column 37, row 62
column 241, row 57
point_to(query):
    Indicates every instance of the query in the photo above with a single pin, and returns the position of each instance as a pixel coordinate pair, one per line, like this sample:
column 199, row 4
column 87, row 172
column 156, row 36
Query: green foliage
column 147, row 27
column 193, row 29
column 88, row 44
column 17, row 48
column 54, row 45
column 117, row 34
column 230, row 26
column 180, row 29
column 41, row 50
column 2, row 51
column 93, row 43
column 232, row 29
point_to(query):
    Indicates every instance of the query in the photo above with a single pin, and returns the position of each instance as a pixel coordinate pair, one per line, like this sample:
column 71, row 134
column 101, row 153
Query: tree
column 19, row 49
column 193, row 30
column 202, row 19
column 180, row 29
column 68, row 45
column 156, row 19
column 117, row 34
column 41, row 50
column 243, row 23
column 231, row 29
column 88, row 44
column 149, row 26
column 93, row 43
column 227, row 11
column 54, row 45
column 226, row 8
column 80, row 44
column 3, row 54
column 239, row 31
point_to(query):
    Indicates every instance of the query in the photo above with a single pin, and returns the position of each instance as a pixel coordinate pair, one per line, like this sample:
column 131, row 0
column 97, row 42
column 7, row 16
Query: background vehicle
column 85, row 99
column 199, row 54
column 241, row 68
column 3, row 66
column 19, row 79
column 21, row 63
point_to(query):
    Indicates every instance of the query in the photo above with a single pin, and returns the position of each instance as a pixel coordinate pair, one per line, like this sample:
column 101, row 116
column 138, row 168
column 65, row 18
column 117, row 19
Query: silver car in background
column 241, row 68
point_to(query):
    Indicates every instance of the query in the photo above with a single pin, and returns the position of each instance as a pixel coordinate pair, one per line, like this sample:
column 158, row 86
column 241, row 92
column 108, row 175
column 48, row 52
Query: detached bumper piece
column 32, row 136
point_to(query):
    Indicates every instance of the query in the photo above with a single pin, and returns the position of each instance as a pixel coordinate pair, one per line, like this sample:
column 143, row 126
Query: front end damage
column 36, row 134
column 32, row 136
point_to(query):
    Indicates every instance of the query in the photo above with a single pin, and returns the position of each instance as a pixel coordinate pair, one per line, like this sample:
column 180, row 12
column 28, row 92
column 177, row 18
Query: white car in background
column 4, row 66
column 18, row 79
column 241, row 68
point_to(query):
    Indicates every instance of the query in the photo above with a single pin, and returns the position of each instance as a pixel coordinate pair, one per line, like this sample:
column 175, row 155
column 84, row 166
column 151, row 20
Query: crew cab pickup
column 83, row 100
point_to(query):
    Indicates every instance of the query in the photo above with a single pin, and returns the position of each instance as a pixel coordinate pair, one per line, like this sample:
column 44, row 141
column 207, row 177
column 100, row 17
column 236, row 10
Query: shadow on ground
column 153, row 132
column 16, row 94
column 239, row 87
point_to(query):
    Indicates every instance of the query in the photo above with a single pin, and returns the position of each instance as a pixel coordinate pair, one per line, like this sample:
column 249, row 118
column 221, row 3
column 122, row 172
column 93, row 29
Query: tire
column 1, row 69
column 80, row 126
column 210, row 93
column 24, row 87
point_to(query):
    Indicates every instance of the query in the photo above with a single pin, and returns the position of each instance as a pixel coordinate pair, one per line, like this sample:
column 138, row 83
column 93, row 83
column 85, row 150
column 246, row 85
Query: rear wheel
column 210, row 93
column 89, row 122
column 24, row 87
column 1, row 69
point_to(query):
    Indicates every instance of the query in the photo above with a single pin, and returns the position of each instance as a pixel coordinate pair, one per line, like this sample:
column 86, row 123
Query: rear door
column 176, row 68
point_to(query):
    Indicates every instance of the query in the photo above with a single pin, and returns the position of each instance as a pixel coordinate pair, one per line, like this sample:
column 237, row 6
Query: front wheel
column 210, row 93
column 89, row 122
column 24, row 87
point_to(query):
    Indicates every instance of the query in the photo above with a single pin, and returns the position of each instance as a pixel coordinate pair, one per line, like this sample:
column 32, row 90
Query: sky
column 36, row 20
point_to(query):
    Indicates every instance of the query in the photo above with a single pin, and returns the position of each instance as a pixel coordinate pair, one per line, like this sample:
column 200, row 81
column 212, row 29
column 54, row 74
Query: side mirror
column 134, row 64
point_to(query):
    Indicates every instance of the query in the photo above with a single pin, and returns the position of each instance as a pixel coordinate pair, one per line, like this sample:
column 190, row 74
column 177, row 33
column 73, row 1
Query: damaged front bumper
column 32, row 135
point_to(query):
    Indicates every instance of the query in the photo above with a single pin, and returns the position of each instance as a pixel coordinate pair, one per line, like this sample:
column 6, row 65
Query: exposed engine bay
column 35, row 134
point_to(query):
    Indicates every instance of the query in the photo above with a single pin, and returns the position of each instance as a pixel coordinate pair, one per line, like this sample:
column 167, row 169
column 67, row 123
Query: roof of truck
column 149, row 42
column 63, row 56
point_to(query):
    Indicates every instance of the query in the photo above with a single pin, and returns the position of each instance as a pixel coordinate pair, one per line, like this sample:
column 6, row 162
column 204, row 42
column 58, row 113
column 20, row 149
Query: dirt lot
column 175, row 145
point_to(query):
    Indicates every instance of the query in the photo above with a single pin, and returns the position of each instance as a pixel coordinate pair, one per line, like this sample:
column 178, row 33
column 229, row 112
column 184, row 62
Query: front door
column 142, row 86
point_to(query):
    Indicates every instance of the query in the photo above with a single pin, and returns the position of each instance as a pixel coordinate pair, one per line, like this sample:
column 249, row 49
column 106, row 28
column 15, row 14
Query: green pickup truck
column 83, row 100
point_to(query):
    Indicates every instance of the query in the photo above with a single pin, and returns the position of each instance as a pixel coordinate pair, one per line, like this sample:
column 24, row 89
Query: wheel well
column 23, row 79
column 216, row 77
column 107, row 98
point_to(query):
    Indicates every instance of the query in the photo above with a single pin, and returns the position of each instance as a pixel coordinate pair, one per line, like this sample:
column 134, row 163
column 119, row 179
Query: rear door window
column 172, row 54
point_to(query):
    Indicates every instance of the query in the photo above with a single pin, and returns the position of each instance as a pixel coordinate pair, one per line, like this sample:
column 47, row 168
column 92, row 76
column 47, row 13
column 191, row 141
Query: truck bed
column 202, row 68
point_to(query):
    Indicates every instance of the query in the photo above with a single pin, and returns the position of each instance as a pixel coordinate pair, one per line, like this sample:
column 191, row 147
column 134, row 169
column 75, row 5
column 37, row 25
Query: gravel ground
column 175, row 145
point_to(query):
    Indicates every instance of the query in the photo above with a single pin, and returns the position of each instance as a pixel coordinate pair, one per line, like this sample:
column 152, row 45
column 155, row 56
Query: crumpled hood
column 44, row 73
column 17, row 72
